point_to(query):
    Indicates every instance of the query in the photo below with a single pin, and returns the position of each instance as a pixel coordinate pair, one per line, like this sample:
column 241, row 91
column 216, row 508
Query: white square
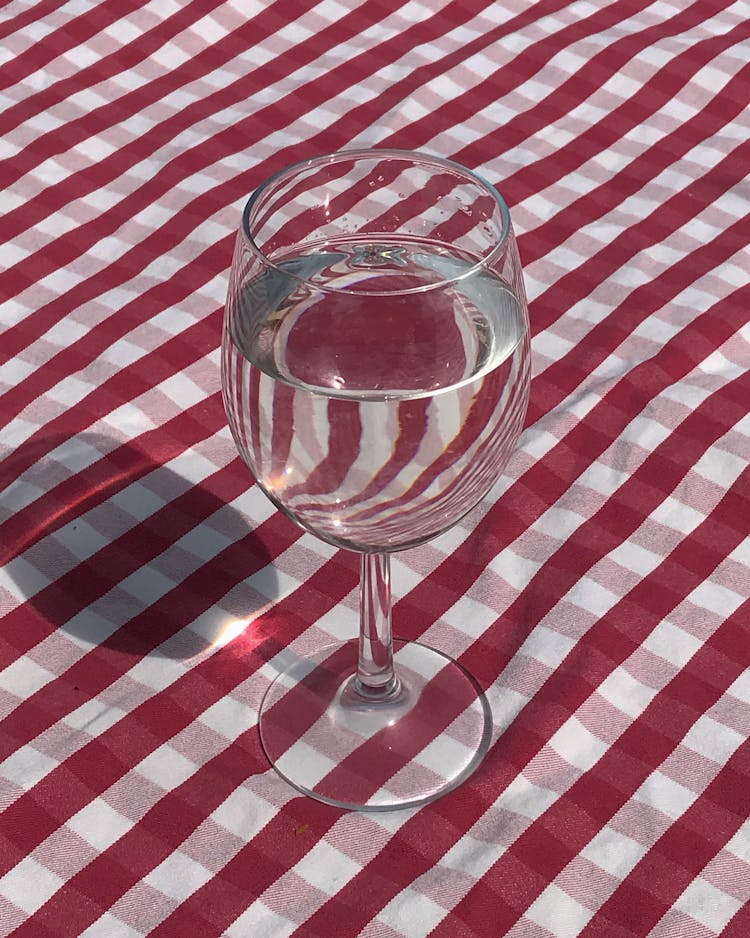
column 109, row 926
column 179, row 876
column 166, row 767
column 19, row 570
column 473, row 857
column 442, row 751
column 537, row 442
column 17, row 431
column 173, row 321
column 122, row 353
column 214, row 356
column 24, row 677
column 87, row 628
column 577, row 745
column 27, row 766
column 326, row 868
column 244, row 813
column 229, row 717
column 70, row 391
column 716, row 598
column 741, row 552
column 77, row 454
column 275, row 584
column 449, row 540
column 405, row 577
column 558, row 523
column 690, row 396
column 156, row 671
column 526, row 799
column 635, row 558
column 614, row 852
column 204, row 542
column 657, row 330
column 96, row 149
column 672, row 643
column 197, row 183
column 623, row 691
column 712, row 739
column 317, row 765
column 412, row 109
column 739, row 844
column 13, row 253
column 736, row 275
column 29, row 885
column 665, row 794
column 547, row 646
column 551, row 346
column 592, row 596
column 413, row 914
column 678, row 516
column 588, row 310
column 60, row 280
column 517, row 571
column 156, row 215
column 94, row 717
column 128, row 417
column 180, row 389
column 470, row 617
column 505, row 704
column 21, row 493
column 609, row 371
column 123, row 31
column 195, row 468
column 740, row 688
column 67, row 331
column 708, row 905
column 15, row 370
column 716, row 363
column 101, row 200
column 81, row 57
column 558, row 912
column 258, row 921
column 138, row 501
column 147, row 585
column 80, row 538
column 99, row 824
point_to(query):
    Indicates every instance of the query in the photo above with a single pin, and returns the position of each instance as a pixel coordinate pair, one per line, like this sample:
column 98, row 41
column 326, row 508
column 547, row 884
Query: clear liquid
column 375, row 419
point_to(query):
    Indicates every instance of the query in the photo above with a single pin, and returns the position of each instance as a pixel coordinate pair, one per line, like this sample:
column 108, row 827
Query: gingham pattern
column 600, row 595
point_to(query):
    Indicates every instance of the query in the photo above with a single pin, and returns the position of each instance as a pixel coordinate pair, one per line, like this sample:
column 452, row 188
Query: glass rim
column 415, row 156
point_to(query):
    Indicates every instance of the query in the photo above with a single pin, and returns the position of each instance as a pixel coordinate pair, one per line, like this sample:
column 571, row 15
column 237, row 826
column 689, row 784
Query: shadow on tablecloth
column 117, row 550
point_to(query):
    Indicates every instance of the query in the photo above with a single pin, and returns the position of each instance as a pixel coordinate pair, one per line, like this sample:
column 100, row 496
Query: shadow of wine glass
column 118, row 551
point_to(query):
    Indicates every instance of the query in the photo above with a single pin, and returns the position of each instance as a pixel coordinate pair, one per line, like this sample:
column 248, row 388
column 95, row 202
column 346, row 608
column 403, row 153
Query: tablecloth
column 149, row 590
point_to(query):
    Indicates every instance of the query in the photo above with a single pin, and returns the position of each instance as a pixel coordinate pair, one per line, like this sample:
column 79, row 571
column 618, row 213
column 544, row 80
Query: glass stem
column 375, row 676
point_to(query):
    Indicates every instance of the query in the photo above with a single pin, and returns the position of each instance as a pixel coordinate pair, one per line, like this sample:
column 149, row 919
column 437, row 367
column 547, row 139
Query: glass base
column 403, row 749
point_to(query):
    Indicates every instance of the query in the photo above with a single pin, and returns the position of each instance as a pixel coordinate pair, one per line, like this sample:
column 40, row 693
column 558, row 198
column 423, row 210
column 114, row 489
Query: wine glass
column 375, row 372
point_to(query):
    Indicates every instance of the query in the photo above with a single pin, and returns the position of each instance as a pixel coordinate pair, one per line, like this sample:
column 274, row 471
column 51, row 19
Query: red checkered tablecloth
column 148, row 590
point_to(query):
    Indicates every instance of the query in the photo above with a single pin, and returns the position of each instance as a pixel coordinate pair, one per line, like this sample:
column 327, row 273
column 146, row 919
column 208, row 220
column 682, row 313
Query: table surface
column 148, row 589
